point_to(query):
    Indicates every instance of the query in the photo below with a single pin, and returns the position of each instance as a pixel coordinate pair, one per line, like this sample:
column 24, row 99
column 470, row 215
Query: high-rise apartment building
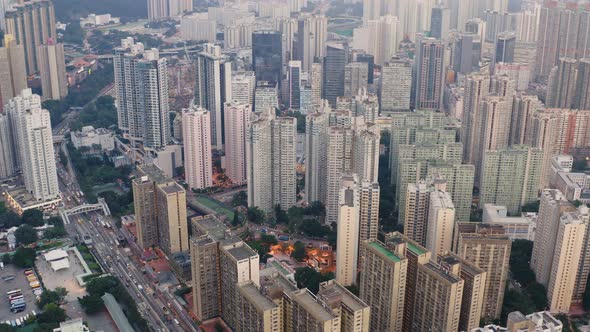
column 242, row 86
column 8, row 164
column 467, row 53
column 13, row 75
column 459, row 184
column 477, row 88
column 334, row 67
column 141, row 85
column 270, row 159
column 348, row 230
column 383, row 285
column 488, row 248
column 356, row 77
column 33, row 142
column 312, row 34
column 582, row 100
column 395, row 86
column 237, row 121
column 256, row 312
column 317, row 86
column 32, row 24
column 196, row 131
column 160, row 9
column 52, row 67
column 523, row 108
column 416, row 211
column 293, row 85
column 440, row 22
column 369, row 210
column 505, row 46
column 267, row 56
column 430, row 74
column 510, row 177
column 339, row 161
column 562, row 84
column 365, row 153
column 160, row 211
column 316, row 154
column 354, row 313
column 379, row 37
column 441, row 221
column 266, row 97
column 213, row 88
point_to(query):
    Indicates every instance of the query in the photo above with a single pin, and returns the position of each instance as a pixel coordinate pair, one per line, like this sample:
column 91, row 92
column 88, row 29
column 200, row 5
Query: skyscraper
column 294, row 85
column 316, row 84
column 213, row 88
column 505, row 45
column 369, row 210
column 31, row 23
column 416, row 211
column 488, row 248
column 348, row 230
column 266, row 97
column 8, row 165
column 316, row 154
column 467, row 53
column 395, row 86
column 196, row 131
column 237, row 120
column 267, row 56
column 523, row 108
column 34, row 146
column 52, row 67
column 141, row 83
column 562, row 84
column 270, row 155
column 13, row 76
column 441, row 221
column 583, row 86
column 430, row 74
column 334, row 67
column 440, row 22
column 242, row 86
column 510, row 177
column 339, row 161
column 312, row 34
column 160, row 9
column 356, row 76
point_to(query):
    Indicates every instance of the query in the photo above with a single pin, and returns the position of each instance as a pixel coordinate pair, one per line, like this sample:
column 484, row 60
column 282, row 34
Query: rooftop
column 255, row 297
column 154, row 173
column 241, row 251
column 171, row 188
column 210, row 225
column 436, row 270
column 309, row 303
column 384, row 251
column 332, row 289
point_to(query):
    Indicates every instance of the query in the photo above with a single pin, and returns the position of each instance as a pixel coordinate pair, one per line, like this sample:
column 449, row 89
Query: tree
column 26, row 234
column 52, row 313
column 52, row 296
column 6, row 258
column 24, row 257
column 280, row 215
column 240, row 199
column 269, row 239
column 91, row 303
column 520, row 256
column 531, row 207
column 307, row 277
column 255, row 215
column 9, row 219
column 33, row 217
column 298, row 251
column 3, row 208
column 6, row 328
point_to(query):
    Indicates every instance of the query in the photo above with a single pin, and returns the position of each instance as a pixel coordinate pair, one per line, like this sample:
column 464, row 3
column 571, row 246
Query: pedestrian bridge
column 101, row 205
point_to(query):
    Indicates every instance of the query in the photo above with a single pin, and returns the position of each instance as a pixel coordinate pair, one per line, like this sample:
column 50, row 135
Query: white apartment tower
column 395, row 85
column 8, row 165
column 196, row 132
column 242, row 86
column 237, row 120
column 213, row 88
column 369, row 210
column 441, row 221
column 340, row 141
column 35, row 145
column 348, row 230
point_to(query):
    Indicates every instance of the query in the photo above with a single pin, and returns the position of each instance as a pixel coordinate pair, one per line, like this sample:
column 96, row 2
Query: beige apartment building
column 347, row 240
column 441, row 221
column 354, row 313
column 256, row 312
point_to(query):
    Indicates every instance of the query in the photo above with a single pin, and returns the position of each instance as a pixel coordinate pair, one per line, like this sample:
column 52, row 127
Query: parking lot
column 19, row 282
column 65, row 278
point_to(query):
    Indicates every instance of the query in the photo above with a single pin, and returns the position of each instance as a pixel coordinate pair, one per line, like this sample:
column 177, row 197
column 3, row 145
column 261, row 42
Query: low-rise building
column 94, row 139
column 522, row 227
column 541, row 321
column 97, row 20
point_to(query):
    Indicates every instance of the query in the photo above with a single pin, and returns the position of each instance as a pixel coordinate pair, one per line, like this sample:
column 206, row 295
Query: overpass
column 101, row 205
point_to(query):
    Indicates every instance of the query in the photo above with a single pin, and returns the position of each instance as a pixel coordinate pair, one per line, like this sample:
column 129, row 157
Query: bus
column 18, row 307
column 15, row 297
column 14, row 291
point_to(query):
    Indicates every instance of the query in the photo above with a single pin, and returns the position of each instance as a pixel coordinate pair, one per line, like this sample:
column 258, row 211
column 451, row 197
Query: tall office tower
column 365, row 153
column 383, row 284
column 505, row 46
column 31, row 23
column 52, row 67
column 477, row 87
column 459, row 184
column 488, row 248
column 196, row 131
column 582, row 100
column 312, row 34
column 237, row 121
column 213, row 88
column 141, row 82
column 32, row 131
column 439, row 293
column 266, row 96
column 317, row 78
column 510, row 177
column 356, row 78
column 562, row 84
column 316, row 156
column 256, row 312
column 430, row 74
column 8, row 165
column 369, row 59
column 354, row 313
column 369, row 210
column 467, row 53
column 562, row 33
column 270, row 160
column 267, row 56
column 339, row 161
column 334, row 64
column 416, row 211
column 294, row 85
column 348, row 230
column 395, row 86
column 441, row 221
column 238, row 263
column 13, row 77
column 172, row 222
column 160, row 211
column 474, row 281
column 440, row 22
column 476, row 26
column 493, row 129
column 242, row 87
column 523, row 108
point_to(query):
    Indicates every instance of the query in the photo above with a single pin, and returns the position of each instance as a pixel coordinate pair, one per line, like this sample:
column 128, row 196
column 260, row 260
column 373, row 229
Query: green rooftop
column 380, row 248
column 415, row 249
